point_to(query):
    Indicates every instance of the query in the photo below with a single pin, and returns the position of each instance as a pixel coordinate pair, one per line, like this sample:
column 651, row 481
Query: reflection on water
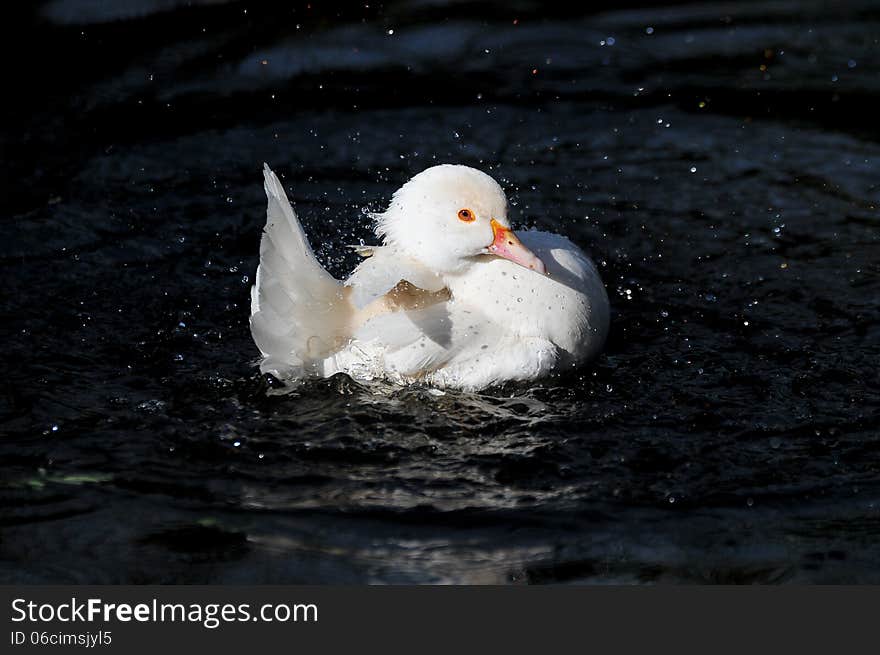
column 719, row 162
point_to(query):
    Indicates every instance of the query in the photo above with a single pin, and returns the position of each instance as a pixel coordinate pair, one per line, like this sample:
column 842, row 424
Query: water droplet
column 151, row 406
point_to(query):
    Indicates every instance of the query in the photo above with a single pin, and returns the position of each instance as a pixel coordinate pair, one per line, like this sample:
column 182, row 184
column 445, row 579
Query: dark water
column 721, row 162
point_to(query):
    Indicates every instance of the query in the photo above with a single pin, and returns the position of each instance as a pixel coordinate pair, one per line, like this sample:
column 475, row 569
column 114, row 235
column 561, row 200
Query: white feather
column 298, row 313
column 445, row 345
column 383, row 270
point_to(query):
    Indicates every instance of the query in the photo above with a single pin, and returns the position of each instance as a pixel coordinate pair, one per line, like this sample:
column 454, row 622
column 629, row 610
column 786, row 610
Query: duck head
column 448, row 217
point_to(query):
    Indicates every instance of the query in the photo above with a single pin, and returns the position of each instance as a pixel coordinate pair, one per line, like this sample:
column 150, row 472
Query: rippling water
column 719, row 161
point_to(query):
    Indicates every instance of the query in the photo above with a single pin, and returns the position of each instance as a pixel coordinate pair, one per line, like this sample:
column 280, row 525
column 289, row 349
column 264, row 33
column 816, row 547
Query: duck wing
column 445, row 345
column 383, row 270
column 412, row 343
column 298, row 310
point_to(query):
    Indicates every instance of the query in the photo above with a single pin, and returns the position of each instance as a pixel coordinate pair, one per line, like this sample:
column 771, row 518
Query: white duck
column 452, row 299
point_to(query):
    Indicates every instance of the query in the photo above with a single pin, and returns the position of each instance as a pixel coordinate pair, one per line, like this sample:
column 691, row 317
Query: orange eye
column 466, row 215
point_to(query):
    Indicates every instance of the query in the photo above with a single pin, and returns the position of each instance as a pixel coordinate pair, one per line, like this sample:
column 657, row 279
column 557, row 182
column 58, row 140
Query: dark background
column 718, row 160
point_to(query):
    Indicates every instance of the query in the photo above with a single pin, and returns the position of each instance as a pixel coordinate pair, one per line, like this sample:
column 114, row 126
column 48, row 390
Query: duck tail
column 299, row 312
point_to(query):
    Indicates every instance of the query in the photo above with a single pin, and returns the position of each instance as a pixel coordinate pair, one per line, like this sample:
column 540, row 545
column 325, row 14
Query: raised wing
column 297, row 308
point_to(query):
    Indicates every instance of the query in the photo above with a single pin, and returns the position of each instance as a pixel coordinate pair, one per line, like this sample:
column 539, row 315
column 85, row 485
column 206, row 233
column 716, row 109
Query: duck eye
column 466, row 215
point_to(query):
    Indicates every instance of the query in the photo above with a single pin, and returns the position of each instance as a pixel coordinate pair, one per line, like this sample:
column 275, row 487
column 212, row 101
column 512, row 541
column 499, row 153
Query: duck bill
column 507, row 245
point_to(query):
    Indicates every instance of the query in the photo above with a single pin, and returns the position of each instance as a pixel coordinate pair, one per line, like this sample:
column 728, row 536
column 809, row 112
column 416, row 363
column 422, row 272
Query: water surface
column 718, row 161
